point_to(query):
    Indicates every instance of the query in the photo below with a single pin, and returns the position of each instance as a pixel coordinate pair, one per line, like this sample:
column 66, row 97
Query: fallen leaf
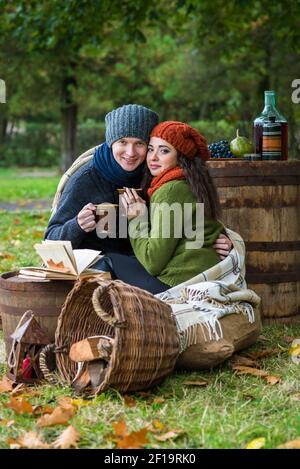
column 129, row 401
column 42, row 410
column 264, row 353
column 120, row 428
column 263, row 338
column 272, row 379
column 19, row 406
column 67, row 439
column 293, row 444
column 28, row 440
column 143, row 394
column 247, row 370
column 195, row 383
column 6, row 255
column 158, row 425
column 288, row 339
column 17, row 221
column 241, row 360
column 82, row 402
column 6, row 385
column 257, row 443
column 158, row 400
column 59, row 416
column 169, row 435
column 134, row 440
column 7, row 423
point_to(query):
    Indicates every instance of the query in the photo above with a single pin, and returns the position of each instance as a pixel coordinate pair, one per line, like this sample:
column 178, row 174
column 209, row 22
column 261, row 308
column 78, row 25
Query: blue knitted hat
column 130, row 120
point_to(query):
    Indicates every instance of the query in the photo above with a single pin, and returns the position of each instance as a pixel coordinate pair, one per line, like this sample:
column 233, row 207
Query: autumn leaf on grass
column 42, row 410
column 120, row 428
column 293, row 444
column 59, row 416
column 6, row 255
column 6, row 385
column 129, row 401
column 268, row 352
column 171, row 435
column 257, row 443
column 19, row 406
column 272, row 379
column 247, row 370
column 28, row 440
column 67, row 439
column 125, row 440
column 241, row 360
column 158, row 400
column 7, row 423
column 134, row 440
column 195, row 383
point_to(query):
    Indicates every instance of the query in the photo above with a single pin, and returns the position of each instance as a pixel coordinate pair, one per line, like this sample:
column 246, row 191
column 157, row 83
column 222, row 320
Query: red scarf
column 166, row 176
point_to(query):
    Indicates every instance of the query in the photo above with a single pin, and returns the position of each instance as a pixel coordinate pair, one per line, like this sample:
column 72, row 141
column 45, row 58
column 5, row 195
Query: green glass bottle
column 269, row 111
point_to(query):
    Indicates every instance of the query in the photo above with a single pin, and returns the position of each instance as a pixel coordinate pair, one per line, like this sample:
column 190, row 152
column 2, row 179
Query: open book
column 62, row 262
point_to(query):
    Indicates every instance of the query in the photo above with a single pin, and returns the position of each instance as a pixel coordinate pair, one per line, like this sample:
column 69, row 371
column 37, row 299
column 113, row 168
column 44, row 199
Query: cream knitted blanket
column 205, row 299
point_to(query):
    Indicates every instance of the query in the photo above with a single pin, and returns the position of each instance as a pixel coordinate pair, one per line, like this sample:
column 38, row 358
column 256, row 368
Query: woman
column 177, row 174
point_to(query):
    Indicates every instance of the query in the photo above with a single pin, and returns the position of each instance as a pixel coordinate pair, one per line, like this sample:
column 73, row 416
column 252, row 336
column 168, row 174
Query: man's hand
column 86, row 218
column 223, row 246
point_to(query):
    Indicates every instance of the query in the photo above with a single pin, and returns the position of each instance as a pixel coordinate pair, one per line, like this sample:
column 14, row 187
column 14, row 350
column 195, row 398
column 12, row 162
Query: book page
column 85, row 258
column 66, row 244
column 56, row 257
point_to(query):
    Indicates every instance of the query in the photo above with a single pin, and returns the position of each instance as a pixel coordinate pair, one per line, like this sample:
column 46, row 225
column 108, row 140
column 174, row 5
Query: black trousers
column 128, row 269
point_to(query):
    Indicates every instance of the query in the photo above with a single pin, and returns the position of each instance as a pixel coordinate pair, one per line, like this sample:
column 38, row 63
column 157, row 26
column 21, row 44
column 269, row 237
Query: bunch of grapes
column 220, row 149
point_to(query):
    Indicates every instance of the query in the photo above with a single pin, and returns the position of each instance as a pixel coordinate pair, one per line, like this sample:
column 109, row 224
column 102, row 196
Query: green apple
column 240, row 145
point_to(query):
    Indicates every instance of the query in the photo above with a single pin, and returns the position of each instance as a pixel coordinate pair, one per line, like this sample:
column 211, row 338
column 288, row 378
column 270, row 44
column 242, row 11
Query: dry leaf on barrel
column 6, row 385
column 293, row 444
column 19, row 406
column 67, row 439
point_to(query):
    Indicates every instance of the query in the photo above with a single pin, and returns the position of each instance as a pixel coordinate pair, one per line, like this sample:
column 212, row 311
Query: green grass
column 17, row 185
column 230, row 412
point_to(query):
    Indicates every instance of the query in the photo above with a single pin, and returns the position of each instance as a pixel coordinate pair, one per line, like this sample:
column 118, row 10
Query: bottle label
column 271, row 142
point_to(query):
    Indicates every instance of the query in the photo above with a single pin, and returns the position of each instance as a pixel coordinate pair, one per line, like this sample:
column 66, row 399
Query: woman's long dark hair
column 200, row 182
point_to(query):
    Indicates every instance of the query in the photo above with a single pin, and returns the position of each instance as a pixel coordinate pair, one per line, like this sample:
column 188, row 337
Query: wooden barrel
column 44, row 298
column 261, row 201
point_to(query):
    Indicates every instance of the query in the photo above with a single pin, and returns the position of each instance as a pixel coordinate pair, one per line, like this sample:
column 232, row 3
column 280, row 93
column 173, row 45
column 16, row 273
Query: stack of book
column 62, row 262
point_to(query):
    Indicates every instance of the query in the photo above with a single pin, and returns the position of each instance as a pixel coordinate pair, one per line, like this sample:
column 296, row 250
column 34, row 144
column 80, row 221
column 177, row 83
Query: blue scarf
column 110, row 169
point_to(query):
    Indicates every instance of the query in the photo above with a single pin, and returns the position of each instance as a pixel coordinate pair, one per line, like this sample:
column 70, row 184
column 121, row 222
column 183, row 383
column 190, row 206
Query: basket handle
column 104, row 315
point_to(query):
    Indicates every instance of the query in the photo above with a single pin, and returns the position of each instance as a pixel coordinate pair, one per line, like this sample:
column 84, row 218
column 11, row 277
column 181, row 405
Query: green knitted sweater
column 169, row 259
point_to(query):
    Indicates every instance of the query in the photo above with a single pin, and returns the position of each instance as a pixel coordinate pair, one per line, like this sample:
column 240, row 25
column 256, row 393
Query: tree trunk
column 69, row 122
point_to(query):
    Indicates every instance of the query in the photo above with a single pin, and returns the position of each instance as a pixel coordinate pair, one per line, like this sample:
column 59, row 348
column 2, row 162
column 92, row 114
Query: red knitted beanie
column 183, row 137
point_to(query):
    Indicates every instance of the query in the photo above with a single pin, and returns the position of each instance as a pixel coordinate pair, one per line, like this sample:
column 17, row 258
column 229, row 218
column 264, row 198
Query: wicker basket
column 146, row 342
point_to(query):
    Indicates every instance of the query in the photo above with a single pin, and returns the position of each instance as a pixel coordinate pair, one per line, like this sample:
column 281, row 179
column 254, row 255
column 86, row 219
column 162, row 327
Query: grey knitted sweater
column 86, row 185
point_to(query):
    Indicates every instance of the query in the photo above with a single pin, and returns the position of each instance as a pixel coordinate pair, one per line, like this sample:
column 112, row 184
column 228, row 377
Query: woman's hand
column 86, row 218
column 133, row 203
column 223, row 246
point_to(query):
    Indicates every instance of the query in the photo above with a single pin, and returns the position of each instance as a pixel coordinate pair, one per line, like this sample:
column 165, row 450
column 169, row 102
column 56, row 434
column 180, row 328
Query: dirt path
column 40, row 205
